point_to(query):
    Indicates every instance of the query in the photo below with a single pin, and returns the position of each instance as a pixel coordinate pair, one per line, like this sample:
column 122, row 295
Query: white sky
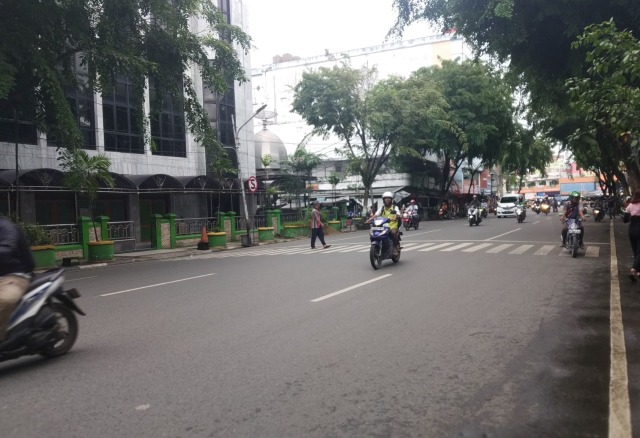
column 307, row 27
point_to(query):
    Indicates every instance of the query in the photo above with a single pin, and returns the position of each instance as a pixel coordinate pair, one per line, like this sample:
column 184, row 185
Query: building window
column 122, row 114
column 167, row 125
column 24, row 131
column 81, row 102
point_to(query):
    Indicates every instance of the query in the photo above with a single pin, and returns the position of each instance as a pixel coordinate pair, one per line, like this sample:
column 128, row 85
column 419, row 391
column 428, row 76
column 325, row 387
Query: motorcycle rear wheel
column 66, row 316
column 375, row 259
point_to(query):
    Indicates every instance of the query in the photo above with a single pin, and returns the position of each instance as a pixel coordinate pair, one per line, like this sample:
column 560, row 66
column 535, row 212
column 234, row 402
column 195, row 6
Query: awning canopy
column 33, row 177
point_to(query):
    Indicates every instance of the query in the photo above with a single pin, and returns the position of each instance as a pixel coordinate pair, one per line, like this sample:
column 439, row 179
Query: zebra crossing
column 455, row 246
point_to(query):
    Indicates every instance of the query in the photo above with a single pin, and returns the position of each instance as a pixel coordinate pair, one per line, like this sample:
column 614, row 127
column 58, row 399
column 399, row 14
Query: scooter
column 536, row 209
column 598, row 214
column 44, row 322
column 544, row 208
column 520, row 213
column 473, row 213
column 573, row 236
column 381, row 242
column 483, row 212
column 410, row 220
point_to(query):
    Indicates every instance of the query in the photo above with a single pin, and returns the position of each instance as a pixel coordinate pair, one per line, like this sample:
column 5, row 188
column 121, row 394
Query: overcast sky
column 307, row 27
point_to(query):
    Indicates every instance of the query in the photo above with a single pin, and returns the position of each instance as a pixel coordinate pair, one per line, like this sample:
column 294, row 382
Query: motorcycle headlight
column 573, row 226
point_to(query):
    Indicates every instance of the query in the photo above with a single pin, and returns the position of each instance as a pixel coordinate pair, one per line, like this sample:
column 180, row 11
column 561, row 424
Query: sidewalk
column 163, row 254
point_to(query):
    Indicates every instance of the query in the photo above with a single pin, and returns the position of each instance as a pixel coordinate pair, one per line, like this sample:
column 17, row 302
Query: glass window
column 167, row 125
column 122, row 125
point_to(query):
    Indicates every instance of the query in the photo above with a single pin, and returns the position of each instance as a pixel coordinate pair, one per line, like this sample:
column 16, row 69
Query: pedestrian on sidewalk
column 316, row 226
column 632, row 217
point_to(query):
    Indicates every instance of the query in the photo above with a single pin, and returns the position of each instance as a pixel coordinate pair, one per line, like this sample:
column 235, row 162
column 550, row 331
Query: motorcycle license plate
column 574, row 231
column 377, row 228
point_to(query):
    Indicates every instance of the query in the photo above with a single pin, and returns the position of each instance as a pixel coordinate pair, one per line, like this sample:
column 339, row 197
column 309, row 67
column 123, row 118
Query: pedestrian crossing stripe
column 591, row 251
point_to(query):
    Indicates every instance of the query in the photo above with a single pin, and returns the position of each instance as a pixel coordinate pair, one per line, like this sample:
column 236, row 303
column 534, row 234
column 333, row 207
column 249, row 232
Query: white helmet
column 387, row 195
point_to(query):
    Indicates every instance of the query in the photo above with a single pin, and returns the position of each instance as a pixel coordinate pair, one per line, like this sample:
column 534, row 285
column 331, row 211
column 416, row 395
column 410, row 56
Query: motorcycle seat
column 45, row 277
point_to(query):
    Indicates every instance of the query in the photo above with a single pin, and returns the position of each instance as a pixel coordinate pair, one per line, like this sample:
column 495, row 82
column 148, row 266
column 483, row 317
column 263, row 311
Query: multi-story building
column 172, row 177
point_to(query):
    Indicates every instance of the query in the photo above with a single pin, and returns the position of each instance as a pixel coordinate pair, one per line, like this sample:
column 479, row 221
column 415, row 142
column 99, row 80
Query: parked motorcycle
column 44, row 322
column 598, row 214
column 520, row 213
column 473, row 213
column 410, row 221
column 381, row 242
column 573, row 236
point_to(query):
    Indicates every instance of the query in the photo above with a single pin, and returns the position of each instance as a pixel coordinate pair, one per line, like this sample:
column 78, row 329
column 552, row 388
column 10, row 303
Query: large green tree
column 467, row 120
column 608, row 97
column 40, row 41
column 341, row 101
column 534, row 37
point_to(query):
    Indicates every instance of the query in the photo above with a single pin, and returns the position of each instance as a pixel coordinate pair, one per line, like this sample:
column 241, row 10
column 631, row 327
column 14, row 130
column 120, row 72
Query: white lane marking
column 461, row 245
column 355, row 286
column 619, row 405
column 418, row 246
column 544, row 250
column 420, row 234
column 521, row 249
column 431, row 248
column 355, row 248
column 536, row 222
column 155, row 285
column 477, row 247
column 503, row 234
column 81, row 278
column 499, row 248
column 592, row 251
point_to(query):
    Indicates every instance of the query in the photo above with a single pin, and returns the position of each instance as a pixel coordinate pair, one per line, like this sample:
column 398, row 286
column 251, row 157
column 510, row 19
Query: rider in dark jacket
column 572, row 210
column 16, row 266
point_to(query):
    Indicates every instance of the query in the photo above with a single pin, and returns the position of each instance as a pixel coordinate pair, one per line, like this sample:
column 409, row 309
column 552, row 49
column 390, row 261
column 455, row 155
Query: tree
column 460, row 111
column 222, row 167
column 526, row 152
column 339, row 101
column 301, row 164
column 40, row 41
column 86, row 175
column 334, row 179
column 608, row 96
column 535, row 38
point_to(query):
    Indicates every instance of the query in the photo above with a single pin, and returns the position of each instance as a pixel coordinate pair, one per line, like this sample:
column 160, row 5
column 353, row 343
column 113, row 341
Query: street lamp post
column 244, row 196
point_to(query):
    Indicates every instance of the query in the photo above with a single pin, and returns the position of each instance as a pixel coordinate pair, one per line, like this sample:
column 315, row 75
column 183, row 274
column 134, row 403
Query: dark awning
column 200, row 182
column 158, row 181
column 33, row 177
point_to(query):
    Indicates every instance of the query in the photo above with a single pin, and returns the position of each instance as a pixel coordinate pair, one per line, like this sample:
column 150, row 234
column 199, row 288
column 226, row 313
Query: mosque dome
column 267, row 143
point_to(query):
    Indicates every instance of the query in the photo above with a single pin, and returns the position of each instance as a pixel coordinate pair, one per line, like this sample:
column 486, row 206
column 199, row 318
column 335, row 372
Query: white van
column 507, row 205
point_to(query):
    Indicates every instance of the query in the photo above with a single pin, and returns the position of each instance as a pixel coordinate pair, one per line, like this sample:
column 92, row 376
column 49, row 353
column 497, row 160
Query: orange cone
column 204, row 240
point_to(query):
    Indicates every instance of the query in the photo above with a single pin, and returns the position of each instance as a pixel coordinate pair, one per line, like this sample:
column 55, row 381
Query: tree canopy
column 341, row 101
column 41, row 40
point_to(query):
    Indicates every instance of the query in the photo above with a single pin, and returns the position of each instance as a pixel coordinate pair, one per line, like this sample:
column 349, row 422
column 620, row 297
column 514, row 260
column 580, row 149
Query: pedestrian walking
column 316, row 226
column 632, row 217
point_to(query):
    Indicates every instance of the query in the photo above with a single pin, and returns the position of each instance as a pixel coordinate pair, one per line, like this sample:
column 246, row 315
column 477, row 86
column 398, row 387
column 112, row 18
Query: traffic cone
column 204, row 240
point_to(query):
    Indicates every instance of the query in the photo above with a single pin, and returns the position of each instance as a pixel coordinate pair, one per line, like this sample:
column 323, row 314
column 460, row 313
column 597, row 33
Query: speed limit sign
column 252, row 183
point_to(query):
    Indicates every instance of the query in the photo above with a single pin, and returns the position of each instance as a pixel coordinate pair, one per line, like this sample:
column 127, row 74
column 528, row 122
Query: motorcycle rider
column 16, row 268
column 412, row 211
column 388, row 210
column 572, row 210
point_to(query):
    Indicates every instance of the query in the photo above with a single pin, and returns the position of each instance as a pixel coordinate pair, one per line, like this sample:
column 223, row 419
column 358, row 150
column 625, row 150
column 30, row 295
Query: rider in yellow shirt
column 389, row 211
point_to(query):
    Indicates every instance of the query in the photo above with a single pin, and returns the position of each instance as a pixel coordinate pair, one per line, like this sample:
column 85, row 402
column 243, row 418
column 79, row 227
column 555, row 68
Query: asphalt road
column 478, row 331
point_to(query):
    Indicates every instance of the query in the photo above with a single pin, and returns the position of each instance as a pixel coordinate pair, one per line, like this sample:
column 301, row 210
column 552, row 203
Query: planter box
column 217, row 239
column 44, row 256
column 265, row 233
column 336, row 225
column 100, row 251
column 291, row 231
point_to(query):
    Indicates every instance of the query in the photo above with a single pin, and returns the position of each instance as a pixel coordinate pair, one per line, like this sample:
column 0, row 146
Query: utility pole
column 244, row 196
column 17, row 182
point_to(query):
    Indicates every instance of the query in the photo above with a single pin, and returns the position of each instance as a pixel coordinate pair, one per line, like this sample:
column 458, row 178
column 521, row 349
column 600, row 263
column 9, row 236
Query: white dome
column 267, row 143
